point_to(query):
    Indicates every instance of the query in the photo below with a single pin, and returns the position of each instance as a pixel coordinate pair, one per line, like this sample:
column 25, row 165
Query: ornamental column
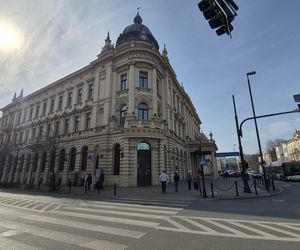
column 131, row 90
column 154, row 92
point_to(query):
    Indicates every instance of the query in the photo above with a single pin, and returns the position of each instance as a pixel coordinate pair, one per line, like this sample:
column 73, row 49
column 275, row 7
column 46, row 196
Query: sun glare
column 10, row 37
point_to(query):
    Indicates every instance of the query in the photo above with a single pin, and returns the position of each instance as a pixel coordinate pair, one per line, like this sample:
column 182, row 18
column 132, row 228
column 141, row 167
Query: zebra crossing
column 27, row 204
column 114, row 225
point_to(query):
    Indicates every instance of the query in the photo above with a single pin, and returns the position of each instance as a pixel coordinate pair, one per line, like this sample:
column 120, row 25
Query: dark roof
column 137, row 32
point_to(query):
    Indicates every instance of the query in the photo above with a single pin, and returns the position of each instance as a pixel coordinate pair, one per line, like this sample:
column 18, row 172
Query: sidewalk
column 222, row 189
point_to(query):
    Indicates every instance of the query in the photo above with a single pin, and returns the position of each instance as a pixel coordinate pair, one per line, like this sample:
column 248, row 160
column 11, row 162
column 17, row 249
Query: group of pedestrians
column 164, row 178
column 98, row 184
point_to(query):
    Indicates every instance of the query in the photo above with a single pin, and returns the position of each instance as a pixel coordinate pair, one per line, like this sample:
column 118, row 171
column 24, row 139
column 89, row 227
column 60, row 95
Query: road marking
column 235, row 233
column 126, row 200
column 138, row 209
column 278, row 200
column 102, row 211
column 87, row 226
column 64, row 237
column 9, row 233
column 109, row 219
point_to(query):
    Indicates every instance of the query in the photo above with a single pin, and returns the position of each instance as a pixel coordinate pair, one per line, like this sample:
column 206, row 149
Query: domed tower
column 137, row 32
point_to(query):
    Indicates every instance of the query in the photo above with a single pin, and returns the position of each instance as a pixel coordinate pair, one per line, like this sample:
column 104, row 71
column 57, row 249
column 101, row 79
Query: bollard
column 273, row 185
column 254, row 183
column 212, row 190
column 236, row 188
column 115, row 189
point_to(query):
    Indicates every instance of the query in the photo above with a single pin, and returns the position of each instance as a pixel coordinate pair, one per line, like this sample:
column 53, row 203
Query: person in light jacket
column 163, row 179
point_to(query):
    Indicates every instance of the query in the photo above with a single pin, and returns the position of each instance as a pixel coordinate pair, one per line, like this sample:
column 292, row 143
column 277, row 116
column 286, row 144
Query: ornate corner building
column 124, row 114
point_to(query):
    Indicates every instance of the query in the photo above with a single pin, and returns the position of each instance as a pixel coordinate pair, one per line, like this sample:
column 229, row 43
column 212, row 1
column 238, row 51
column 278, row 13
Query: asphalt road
column 43, row 222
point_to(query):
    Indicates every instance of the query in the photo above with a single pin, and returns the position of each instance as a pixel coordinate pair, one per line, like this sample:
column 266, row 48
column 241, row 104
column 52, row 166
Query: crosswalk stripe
column 10, row 244
column 25, row 202
column 199, row 225
column 30, row 204
column 125, row 200
column 14, row 203
column 157, row 200
column 47, row 207
column 102, row 211
column 291, row 226
column 144, row 209
column 106, row 218
column 88, row 226
column 278, row 230
column 229, row 229
column 63, row 237
column 138, row 205
column 251, row 229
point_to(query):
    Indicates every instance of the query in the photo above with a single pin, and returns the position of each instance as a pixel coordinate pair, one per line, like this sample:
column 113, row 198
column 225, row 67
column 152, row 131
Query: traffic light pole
column 244, row 175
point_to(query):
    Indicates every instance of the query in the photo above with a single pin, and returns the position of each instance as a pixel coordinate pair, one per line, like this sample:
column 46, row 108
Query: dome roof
column 137, row 32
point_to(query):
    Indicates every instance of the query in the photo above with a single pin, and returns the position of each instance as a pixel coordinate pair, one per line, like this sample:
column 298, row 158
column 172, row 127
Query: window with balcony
column 91, row 92
column 44, row 108
column 30, row 113
column 79, row 95
column 37, row 111
column 52, row 105
column 143, row 111
column 143, row 79
column 70, row 94
column 66, row 126
column 60, row 102
column 123, row 113
column 124, row 82
column 84, row 155
column 88, row 120
column 77, row 123
column 40, row 131
column 56, row 129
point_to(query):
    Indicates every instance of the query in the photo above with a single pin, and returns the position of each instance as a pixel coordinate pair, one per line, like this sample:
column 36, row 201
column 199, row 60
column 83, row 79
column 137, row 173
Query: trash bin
column 196, row 185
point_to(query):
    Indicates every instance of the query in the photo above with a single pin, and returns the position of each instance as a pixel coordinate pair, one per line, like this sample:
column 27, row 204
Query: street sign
column 94, row 158
column 202, row 160
column 227, row 154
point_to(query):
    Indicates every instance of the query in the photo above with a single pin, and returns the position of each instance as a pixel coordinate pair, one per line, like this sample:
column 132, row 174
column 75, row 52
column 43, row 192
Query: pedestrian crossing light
column 220, row 14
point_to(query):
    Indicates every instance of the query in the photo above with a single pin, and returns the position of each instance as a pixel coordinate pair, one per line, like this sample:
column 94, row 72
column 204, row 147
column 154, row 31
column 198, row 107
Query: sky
column 49, row 39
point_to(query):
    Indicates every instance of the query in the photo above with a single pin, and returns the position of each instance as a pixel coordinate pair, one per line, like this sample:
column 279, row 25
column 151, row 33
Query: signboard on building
column 227, row 154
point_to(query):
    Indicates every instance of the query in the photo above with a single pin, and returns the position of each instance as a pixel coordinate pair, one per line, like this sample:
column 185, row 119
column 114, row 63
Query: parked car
column 235, row 174
column 256, row 175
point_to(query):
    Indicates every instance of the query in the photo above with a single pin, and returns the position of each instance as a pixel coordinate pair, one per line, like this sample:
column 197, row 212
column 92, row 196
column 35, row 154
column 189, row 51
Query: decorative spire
column 15, row 97
column 21, row 94
column 165, row 53
column 138, row 19
column 108, row 45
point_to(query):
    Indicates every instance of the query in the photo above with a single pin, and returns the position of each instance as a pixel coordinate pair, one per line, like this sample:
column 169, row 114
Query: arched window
column 84, row 155
column 15, row 164
column 123, row 113
column 28, row 161
column 143, row 111
column 117, row 151
column 62, row 157
column 143, row 146
column 43, row 161
column 35, row 162
column 21, row 164
column 72, row 159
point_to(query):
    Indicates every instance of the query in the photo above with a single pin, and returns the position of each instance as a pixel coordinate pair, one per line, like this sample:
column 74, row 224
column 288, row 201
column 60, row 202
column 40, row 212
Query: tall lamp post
column 257, row 133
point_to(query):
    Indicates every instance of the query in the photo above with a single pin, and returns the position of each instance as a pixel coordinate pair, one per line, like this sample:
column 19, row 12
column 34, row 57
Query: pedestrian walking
column 101, row 179
column 189, row 178
column 69, row 184
column 176, row 179
column 88, row 182
column 163, row 179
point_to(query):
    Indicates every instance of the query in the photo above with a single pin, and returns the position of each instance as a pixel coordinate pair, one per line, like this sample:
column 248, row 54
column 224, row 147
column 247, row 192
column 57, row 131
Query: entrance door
column 143, row 164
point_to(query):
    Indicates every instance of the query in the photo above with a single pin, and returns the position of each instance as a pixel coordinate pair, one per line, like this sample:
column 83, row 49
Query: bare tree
column 270, row 147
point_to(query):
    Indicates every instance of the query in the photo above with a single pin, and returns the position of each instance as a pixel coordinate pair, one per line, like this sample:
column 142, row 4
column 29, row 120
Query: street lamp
column 257, row 133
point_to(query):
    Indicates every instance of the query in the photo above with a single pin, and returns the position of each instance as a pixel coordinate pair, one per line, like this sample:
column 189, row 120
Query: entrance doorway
column 143, row 164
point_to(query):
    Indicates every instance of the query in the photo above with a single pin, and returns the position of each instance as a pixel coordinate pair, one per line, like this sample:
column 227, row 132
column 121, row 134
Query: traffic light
column 220, row 14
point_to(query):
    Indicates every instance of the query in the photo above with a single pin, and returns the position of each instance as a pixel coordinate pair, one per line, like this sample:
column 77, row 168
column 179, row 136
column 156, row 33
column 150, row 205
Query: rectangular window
column 44, row 108
column 52, row 105
column 26, row 135
column 76, row 123
column 143, row 79
column 37, row 111
column 24, row 117
column 91, row 92
column 48, row 129
column 66, row 128
column 60, row 102
column 30, row 113
column 69, row 99
column 124, row 83
column 56, row 129
column 33, row 133
column 21, row 137
column 40, row 131
column 79, row 96
column 88, row 120
column 19, row 118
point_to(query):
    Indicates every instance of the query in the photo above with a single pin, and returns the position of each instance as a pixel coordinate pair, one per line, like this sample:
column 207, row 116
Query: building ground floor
column 132, row 157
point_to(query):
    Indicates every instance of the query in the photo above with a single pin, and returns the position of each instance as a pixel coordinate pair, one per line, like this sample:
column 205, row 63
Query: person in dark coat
column 176, row 179
column 89, row 181
column 189, row 178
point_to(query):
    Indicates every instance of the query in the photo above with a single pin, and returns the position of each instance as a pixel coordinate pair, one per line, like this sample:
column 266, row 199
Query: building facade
column 124, row 114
